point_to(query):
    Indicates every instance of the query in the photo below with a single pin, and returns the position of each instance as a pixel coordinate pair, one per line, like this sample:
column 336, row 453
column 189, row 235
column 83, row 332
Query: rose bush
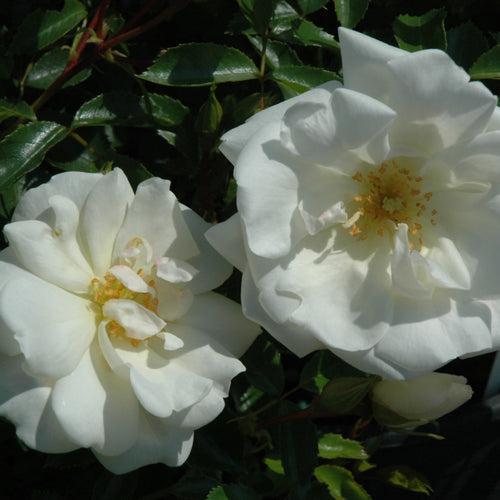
column 368, row 213
column 110, row 335
column 407, row 403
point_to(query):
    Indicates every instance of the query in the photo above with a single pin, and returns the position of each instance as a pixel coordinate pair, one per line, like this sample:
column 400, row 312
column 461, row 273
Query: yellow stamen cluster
column 389, row 196
column 112, row 288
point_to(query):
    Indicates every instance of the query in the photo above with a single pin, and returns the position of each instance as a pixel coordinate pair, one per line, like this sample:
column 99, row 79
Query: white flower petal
column 155, row 216
column 227, row 238
column 139, row 323
column 54, row 328
column 170, row 341
column 130, row 279
column 157, row 443
column 96, row 408
column 102, row 216
column 332, row 215
column 38, row 249
column 72, row 185
column 213, row 268
column 174, row 270
column 26, row 403
column 234, row 140
column 173, row 302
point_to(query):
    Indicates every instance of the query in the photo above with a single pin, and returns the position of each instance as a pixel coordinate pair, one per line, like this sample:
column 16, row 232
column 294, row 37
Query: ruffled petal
column 175, row 270
column 227, row 238
column 72, row 185
column 95, row 407
column 173, row 302
column 26, row 403
column 234, row 140
column 213, row 268
column 54, row 328
column 155, row 216
column 228, row 327
column 102, row 217
column 157, row 443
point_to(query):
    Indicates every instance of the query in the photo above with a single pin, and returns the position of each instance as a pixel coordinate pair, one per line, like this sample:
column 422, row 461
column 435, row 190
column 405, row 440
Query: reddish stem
column 297, row 415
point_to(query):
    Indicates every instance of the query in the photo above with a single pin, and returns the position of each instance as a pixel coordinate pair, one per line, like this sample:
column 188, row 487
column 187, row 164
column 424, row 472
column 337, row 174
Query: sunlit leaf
column 302, row 78
column 350, row 12
column 405, row 477
column 335, row 446
column 341, row 483
column 40, row 29
column 24, row 149
column 198, row 64
column 488, row 65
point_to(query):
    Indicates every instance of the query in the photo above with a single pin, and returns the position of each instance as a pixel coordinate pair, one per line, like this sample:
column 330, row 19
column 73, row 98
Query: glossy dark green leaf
column 277, row 53
column 19, row 109
column 6, row 62
column 421, row 32
column 306, row 33
column 198, row 64
column 405, row 477
column 465, row 44
column 298, row 447
column 284, row 15
column 50, row 66
column 217, row 493
column 488, row 65
column 193, row 486
column 321, row 368
column 342, row 395
column 24, row 149
column 40, row 29
column 310, row 6
column 350, row 12
column 335, row 446
column 264, row 369
column 341, row 483
column 9, row 198
column 302, row 78
column 258, row 13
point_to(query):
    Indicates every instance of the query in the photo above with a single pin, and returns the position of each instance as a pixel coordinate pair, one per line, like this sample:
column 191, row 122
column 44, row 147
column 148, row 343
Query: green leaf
column 465, row 44
column 264, row 370
column 421, row 32
column 302, row 78
column 310, row 6
column 40, row 29
column 217, row 494
column 298, row 447
column 342, row 395
column 488, row 65
column 24, row 149
column 258, row 13
column 341, row 483
column 277, row 53
column 19, row 109
column 350, row 12
column 303, row 32
column 6, row 62
column 193, row 485
column 321, row 368
column 198, row 64
column 209, row 116
column 406, row 478
column 275, row 465
column 50, row 66
column 335, row 446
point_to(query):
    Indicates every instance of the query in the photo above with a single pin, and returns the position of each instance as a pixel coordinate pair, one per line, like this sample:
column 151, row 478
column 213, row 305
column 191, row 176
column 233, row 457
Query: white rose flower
column 369, row 213
column 110, row 335
column 417, row 401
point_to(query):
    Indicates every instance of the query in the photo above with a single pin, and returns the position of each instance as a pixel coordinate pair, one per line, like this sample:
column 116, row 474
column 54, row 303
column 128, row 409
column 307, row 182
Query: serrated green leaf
column 341, row 483
column 405, row 477
column 321, row 368
column 217, row 493
column 277, row 53
column 350, row 12
column 20, row 109
column 342, row 395
column 306, row 33
column 258, row 13
column 284, row 15
column 275, row 465
column 24, row 149
column 298, row 447
column 335, row 446
column 488, row 65
column 264, row 370
column 199, row 64
column 421, row 32
column 465, row 44
column 50, row 66
column 193, row 486
column 302, row 78
column 40, row 29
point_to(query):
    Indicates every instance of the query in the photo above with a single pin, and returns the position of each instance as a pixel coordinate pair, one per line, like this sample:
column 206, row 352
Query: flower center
column 389, row 196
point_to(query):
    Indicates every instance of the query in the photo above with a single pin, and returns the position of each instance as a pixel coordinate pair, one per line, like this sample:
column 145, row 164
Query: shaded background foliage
column 156, row 103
